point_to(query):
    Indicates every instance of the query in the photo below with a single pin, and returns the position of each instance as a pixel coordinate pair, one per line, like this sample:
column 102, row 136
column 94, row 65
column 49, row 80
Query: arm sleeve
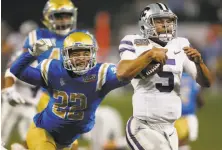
column 21, row 69
column 188, row 65
column 126, row 44
column 126, row 47
column 128, row 55
column 14, row 56
column 107, row 79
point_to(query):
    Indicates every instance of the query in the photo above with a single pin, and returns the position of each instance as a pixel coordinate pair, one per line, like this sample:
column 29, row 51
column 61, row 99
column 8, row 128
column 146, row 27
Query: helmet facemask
column 150, row 28
column 164, row 28
column 63, row 22
column 79, row 59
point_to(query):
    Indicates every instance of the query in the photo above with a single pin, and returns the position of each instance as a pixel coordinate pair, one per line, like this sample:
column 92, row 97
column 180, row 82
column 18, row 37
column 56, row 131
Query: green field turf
column 210, row 119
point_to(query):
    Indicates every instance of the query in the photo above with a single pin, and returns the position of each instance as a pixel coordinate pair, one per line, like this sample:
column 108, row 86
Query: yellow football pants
column 40, row 139
column 43, row 102
column 182, row 128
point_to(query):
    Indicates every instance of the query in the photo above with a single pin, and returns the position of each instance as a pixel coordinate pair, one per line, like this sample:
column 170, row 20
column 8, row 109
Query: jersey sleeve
column 183, row 42
column 31, row 39
column 107, row 79
column 44, row 68
column 127, row 55
column 13, row 57
column 188, row 65
column 21, row 69
column 126, row 48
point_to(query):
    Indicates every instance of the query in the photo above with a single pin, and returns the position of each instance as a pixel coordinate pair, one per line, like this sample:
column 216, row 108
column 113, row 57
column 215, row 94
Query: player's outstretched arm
column 21, row 69
column 203, row 77
column 10, row 79
column 128, row 69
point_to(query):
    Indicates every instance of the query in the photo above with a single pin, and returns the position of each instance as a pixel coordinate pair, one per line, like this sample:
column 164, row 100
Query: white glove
column 12, row 96
column 41, row 46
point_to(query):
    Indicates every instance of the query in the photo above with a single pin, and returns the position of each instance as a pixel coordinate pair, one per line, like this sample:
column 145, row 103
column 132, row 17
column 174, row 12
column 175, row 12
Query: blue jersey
column 189, row 91
column 53, row 53
column 73, row 99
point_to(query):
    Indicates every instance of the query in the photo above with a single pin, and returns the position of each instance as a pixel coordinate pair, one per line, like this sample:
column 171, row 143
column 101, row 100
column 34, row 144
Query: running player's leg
column 140, row 136
column 39, row 139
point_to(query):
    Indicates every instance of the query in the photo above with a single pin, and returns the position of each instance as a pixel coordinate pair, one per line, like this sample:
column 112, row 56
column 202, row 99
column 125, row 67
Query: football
column 150, row 70
column 153, row 68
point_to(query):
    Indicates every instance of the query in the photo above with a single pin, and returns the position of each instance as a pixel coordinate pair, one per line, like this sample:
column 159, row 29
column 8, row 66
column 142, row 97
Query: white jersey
column 157, row 98
column 30, row 93
column 16, row 40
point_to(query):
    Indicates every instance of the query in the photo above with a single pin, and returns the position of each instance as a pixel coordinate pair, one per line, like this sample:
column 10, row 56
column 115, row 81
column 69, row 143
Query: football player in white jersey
column 20, row 92
column 156, row 99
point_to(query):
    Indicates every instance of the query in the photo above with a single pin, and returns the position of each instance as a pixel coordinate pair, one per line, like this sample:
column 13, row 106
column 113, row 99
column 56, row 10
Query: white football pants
column 11, row 115
column 141, row 135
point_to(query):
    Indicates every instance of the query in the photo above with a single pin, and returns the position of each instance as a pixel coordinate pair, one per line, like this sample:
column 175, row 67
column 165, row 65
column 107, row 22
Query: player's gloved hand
column 159, row 55
column 41, row 46
column 12, row 96
column 193, row 54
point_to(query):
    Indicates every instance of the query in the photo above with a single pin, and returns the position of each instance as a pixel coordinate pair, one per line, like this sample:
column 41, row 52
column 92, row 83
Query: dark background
column 16, row 11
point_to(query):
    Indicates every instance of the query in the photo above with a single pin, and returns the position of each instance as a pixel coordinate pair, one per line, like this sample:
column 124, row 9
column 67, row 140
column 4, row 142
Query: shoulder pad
column 126, row 44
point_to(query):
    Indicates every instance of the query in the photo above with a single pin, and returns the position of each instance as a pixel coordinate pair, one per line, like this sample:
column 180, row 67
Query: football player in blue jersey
column 76, row 88
column 60, row 18
column 187, row 125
